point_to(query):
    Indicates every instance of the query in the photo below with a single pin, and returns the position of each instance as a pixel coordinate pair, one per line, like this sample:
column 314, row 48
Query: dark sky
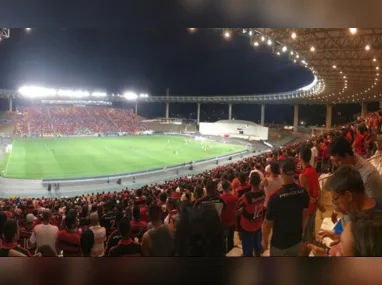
column 150, row 60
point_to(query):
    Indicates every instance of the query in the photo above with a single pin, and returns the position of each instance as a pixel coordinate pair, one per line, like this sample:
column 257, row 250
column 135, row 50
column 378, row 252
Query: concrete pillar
column 10, row 104
column 230, row 111
column 167, row 104
column 295, row 118
column 262, row 114
column 363, row 109
column 328, row 116
column 198, row 115
column 136, row 108
column 167, row 109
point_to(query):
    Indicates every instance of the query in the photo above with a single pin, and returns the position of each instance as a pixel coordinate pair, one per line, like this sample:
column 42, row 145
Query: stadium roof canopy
column 348, row 61
column 346, row 64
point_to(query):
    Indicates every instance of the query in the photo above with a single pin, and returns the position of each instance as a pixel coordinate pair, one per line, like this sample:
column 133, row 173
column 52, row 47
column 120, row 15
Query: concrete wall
column 220, row 129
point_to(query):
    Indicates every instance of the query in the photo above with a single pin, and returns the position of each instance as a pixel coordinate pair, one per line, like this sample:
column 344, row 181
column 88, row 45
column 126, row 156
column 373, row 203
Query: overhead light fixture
column 256, row 44
column 334, row 66
column 250, row 33
column 291, row 53
column 312, row 49
column 269, row 42
column 28, row 29
column 353, row 30
column 262, row 38
column 284, row 49
column 293, row 35
column 367, row 47
column 374, row 59
column 227, row 34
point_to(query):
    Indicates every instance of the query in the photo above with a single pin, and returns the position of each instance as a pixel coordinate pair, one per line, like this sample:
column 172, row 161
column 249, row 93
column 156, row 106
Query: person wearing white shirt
column 313, row 161
column 45, row 233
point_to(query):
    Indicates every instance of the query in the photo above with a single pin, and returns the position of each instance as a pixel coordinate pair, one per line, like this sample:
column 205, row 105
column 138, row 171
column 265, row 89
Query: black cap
column 288, row 167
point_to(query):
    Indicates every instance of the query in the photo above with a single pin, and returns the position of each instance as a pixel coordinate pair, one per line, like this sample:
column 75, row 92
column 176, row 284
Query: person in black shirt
column 108, row 220
column 212, row 198
column 286, row 216
column 87, row 242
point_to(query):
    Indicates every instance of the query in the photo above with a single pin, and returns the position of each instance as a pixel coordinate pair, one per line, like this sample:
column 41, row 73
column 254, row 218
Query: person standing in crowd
column 10, row 247
column 26, row 231
column 309, row 181
column 138, row 227
column 244, row 185
column 68, row 239
column 257, row 169
column 157, row 241
column 251, row 207
column 359, row 144
column 360, row 238
column 348, row 196
column 115, row 236
column 314, row 157
column 228, row 214
column 286, row 216
column 126, row 247
column 272, row 182
column 342, row 154
column 87, row 242
column 108, row 219
column 199, row 232
column 45, row 233
column 99, row 236
column 212, row 198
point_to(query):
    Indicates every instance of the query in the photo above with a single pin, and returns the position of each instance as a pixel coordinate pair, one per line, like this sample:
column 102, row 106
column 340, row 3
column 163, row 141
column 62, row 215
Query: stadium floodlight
column 36, row 91
column 284, row 49
column 99, row 94
column 72, row 93
column 142, row 95
column 130, row 95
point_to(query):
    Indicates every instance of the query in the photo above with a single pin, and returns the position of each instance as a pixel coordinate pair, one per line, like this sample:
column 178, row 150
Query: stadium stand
column 51, row 120
column 188, row 216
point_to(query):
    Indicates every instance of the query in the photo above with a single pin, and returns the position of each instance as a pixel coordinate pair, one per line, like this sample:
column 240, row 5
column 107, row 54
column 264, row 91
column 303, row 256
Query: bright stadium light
column 312, row 49
column 256, row 44
column 36, row 91
column 250, row 33
column 353, row 30
column 262, row 38
column 269, row 42
column 293, row 35
column 130, row 95
column 99, row 94
column 284, row 49
column 143, row 95
column 28, row 29
column 73, row 93
column 367, row 47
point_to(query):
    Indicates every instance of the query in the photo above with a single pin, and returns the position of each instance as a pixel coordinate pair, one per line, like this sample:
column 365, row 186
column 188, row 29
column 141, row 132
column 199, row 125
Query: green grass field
column 86, row 157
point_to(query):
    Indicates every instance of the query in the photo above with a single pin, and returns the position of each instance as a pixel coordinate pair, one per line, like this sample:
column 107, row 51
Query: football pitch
column 88, row 157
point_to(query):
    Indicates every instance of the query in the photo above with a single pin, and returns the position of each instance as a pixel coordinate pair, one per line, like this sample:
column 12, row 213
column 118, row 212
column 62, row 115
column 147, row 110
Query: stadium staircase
column 107, row 115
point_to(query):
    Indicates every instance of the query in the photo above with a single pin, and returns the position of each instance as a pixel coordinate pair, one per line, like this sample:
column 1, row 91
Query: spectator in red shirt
column 68, row 239
column 138, row 227
column 9, row 246
column 126, row 246
column 252, row 215
column 228, row 214
column 359, row 144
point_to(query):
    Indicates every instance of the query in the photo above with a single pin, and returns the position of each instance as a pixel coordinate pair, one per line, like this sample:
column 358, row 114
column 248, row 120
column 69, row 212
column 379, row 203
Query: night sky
column 150, row 60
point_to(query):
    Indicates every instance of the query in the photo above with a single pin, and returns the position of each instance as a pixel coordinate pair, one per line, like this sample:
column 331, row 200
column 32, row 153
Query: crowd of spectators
column 271, row 200
column 76, row 120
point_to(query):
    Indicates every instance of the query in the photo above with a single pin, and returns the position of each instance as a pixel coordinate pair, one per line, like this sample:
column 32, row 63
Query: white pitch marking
column 9, row 158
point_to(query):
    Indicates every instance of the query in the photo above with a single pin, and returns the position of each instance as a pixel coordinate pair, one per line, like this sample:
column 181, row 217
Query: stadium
column 78, row 150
